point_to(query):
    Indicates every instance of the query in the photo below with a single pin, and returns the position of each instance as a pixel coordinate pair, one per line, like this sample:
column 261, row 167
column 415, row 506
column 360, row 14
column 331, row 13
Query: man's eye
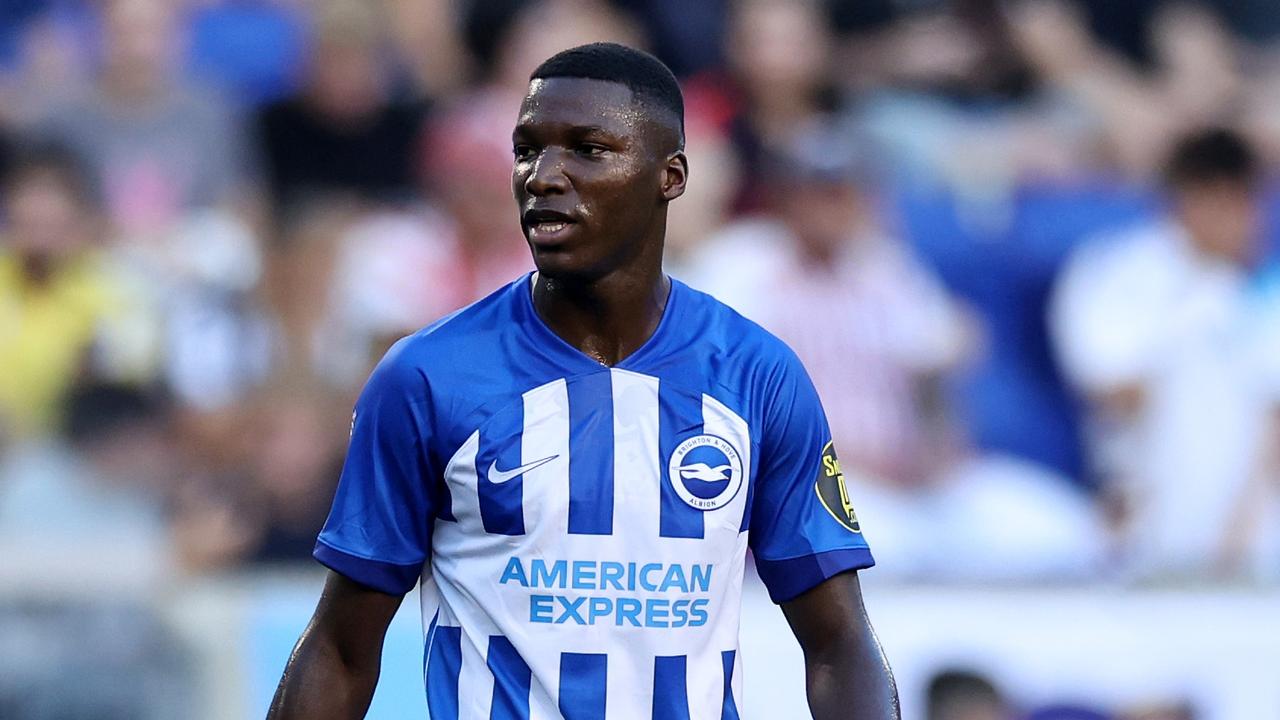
column 592, row 150
column 523, row 152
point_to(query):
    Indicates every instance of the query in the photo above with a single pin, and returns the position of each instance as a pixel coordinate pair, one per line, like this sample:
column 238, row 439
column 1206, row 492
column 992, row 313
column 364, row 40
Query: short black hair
column 1209, row 155
column 958, row 686
column 647, row 76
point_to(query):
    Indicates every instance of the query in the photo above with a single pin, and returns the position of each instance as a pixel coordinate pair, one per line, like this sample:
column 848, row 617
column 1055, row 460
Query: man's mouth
column 546, row 226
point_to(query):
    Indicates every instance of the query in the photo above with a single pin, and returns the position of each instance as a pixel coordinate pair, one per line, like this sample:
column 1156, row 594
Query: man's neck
column 608, row 318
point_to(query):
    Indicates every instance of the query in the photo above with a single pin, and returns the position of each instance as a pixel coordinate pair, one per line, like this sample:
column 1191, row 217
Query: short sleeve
column 379, row 528
column 803, row 527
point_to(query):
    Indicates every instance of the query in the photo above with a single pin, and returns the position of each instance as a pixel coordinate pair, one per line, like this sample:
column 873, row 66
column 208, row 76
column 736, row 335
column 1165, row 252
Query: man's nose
column 547, row 175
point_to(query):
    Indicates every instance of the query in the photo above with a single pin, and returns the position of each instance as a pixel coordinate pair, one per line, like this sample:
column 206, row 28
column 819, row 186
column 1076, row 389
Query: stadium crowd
column 1026, row 249
column 217, row 215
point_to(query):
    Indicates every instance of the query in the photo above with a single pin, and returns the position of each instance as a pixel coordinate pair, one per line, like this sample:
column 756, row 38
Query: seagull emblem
column 704, row 472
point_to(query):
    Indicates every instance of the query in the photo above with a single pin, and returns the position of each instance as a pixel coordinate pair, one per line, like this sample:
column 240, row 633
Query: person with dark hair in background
column 159, row 145
column 345, row 134
column 883, row 339
column 63, row 312
column 1172, row 335
column 574, row 467
column 961, row 694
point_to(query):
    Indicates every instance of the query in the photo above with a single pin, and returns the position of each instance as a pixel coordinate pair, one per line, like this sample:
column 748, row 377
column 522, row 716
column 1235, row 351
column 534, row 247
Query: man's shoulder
column 729, row 332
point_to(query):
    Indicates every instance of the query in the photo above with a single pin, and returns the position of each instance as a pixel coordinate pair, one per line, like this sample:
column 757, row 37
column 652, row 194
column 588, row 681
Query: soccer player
column 574, row 467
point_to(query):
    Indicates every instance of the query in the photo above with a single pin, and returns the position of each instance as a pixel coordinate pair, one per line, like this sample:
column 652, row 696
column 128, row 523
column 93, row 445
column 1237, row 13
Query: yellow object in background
column 47, row 329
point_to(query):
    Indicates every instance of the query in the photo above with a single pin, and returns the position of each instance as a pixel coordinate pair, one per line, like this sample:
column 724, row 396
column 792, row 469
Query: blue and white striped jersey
column 580, row 531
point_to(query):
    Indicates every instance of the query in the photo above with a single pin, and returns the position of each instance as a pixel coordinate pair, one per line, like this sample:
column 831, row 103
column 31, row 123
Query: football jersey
column 580, row 531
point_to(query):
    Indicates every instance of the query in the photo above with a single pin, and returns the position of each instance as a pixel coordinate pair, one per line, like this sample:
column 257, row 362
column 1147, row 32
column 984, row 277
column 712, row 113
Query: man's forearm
column 320, row 684
column 851, row 680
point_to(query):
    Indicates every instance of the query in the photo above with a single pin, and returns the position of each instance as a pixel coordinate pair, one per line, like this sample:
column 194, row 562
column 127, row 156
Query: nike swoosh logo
column 500, row 476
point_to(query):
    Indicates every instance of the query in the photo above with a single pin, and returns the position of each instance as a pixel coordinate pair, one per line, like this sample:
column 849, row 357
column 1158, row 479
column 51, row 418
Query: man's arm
column 846, row 674
column 334, row 667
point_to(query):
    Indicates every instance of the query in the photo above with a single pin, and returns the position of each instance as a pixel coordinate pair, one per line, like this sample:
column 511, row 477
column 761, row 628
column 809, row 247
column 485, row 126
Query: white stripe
column 637, row 489
column 704, row 678
column 629, row 686
column 475, row 682
column 460, row 475
column 546, row 518
column 546, row 487
column 723, row 528
column 719, row 420
column 737, row 680
column 543, row 703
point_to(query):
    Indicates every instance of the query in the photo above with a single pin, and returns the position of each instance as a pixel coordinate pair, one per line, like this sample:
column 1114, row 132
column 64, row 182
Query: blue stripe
column 670, row 693
column 501, row 504
column 583, row 678
column 730, row 708
column 746, row 506
column 444, row 665
column 383, row 577
column 591, row 454
column 511, row 678
column 789, row 578
column 444, row 510
column 679, row 418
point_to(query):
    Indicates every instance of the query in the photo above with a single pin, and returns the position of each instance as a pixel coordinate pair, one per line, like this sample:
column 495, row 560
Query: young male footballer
column 574, row 467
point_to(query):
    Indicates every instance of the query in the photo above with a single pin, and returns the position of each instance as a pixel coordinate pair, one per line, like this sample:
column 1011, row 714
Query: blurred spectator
column 961, row 50
column 251, row 49
column 345, row 133
column 66, row 314
column 265, row 495
column 878, row 336
column 1174, row 339
column 964, row 695
column 159, row 146
column 707, row 205
column 531, row 31
column 872, row 326
column 77, row 508
column 48, row 46
column 947, row 91
column 467, row 168
column 427, row 37
column 295, row 467
column 776, row 52
column 1194, row 76
column 688, row 37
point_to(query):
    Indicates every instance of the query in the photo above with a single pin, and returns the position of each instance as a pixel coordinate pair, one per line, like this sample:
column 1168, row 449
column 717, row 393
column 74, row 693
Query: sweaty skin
column 594, row 170
column 588, row 158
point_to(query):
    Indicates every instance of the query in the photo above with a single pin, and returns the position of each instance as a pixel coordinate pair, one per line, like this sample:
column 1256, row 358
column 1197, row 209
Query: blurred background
column 1029, row 251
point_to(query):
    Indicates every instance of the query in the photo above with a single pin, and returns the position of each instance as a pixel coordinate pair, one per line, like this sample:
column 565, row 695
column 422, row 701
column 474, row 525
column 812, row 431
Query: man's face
column 591, row 176
column 1222, row 217
column 45, row 219
column 823, row 215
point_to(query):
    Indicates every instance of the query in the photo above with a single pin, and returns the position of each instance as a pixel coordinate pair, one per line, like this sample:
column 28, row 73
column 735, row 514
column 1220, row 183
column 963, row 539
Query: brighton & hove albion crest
column 706, row 472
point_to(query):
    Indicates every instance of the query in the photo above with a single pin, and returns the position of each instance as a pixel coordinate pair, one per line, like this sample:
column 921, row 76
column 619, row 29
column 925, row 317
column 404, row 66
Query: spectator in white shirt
column 1171, row 337
column 878, row 334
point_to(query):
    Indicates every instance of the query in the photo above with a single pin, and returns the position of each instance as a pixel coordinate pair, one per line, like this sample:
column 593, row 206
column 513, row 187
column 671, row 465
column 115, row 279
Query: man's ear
column 675, row 175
